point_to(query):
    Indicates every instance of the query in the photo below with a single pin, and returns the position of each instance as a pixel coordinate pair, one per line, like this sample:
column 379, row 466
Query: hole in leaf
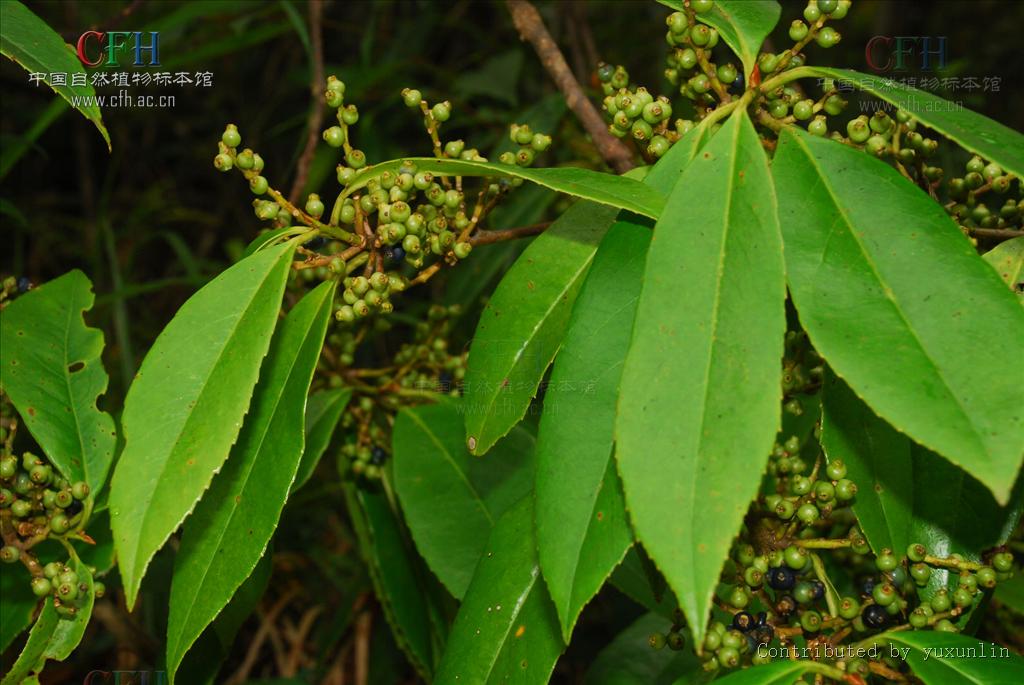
column 77, row 366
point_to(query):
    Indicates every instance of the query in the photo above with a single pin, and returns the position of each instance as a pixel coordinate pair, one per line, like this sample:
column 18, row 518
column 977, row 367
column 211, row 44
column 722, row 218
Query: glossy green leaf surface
column 450, row 498
column 878, row 460
column 53, row 373
column 582, row 528
column 892, row 293
column 179, row 423
column 777, row 673
column 32, row 656
column 394, row 567
column 1008, row 261
column 323, row 411
column 742, row 24
column 69, row 631
column 232, row 525
column 270, row 237
column 29, row 41
column 506, row 630
column 620, row 192
column 690, row 462
column 972, row 131
column 629, row 659
column 1010, row 593
column 17, row 606
column 522, row 325
column 939, row 658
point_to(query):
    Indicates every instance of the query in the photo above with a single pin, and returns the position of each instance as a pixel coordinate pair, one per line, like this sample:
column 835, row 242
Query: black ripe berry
column 73, row 508
column 762, row 634
column 743, row 621
column 397, row 253
column 316, row 243
column 817, row 589
column 378, row 456
column 867, row 584
column 874, row 616
column 738, row 84
column 781, row 578
column 24, row 284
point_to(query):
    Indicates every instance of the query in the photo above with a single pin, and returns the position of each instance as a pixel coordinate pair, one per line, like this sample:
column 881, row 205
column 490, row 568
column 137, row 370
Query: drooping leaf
column 690, row 462
column 29, row 41
column 940, row 658
column 232, row 525
column 522, row 326
column 185, row 408
column 17, row 607
column 450, row 498
column 743, row 25
column 323, row 411
column 1008, row 261
column 203, row 661
column 582, row 529
column 53, row 374
column 32, row 657
column 972, row 131
column 776, row 673
column 397, row 581
column 892, row 293
column 878, row 460
column 620, row 192
column 630, row 660
column 506, row 630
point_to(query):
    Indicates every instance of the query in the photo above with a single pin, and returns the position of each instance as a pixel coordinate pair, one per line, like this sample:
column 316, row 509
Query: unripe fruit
column 231, row 137
column 9, row 554
column 818, row 127
column 334, row 136
column 41, row 587
column 797, row 30
column 441, row 111
column 258, row 185
column 59, row 524
column 412, row 97
column 223, row 162
column 244, row 160
column 462, row 249
column 314, row 206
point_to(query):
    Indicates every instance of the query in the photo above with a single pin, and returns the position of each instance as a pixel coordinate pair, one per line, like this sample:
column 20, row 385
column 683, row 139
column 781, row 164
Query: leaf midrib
column 888, row 293
column 233, row 504
column 523, row 597
column 67, row 384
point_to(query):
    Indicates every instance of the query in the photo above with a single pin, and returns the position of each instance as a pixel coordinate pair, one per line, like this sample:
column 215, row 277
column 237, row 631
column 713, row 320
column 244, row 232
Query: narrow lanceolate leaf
column 450, row 498
column 522, row 326
column 707, row 339
column 972, row 131
column 619, row 192
column 878, row 460
column 53, row 374
column 582, row 529
column 629, row 659
column 32, row 657
column 323, row 411
column 939, row 658
column 506, row 630
column 232, row 525
column 395, row 571
column 29, row 41
column 743, row 25
column 1008, row 261
column 892, row 293
column 186, row 406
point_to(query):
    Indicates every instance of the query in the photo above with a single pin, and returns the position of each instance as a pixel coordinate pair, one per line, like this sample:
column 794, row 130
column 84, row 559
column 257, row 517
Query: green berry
column 962, row 597
column 412, row 97
column 462, row 249
column 827, row 37
column 258, row 185
column 946, row 626
column 803, row 110
column 41, row 587
column 778, row 108
column 824, row 491
column 920, row 573
column 812, row 13
column 21, row 508
column 59, row 524
column 884, row 594
column 67, row 592
column 785, row 509
column 52, row 570
column 886, row 560
column 808, row 513
column 701, row 6
column 834, row 105
column 335, row 136
column 40, row 474
column 64, row 499
column 441, row 111
column 738, row 598
column 795, row 557
column 986, row 577
column 350, row 115
column 940, row 601
column 223, row 162
column 656, row 640
column 700, row 83
column 231, row 137
column 810, row 621
column 975, row 165
column 728, row 657
column 797, row 30
column 1002, row 562
column 877, row 145
column 675, row 640
column 712, row 641
column 99, row 589
column 828, row 6
column 919, row 618
column 849, row 608
column 818, row 126
column 245, row 160
column 9, row 554
column 836, row 468
column 345, row 314
column 916, row 552
column 687, row 59
column 803, row 593
column 80, row 490
column 845, row 490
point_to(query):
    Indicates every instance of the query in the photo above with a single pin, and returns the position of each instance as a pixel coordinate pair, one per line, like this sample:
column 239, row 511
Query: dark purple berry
column 781, row 578
column 874, row 616
column 738, row 84
column 762, row 618
column 316, row 243
column 763, row 634
column 397, row 253
column 817, row 589
column 378, row 456
column 24, row 284
column 743, row 621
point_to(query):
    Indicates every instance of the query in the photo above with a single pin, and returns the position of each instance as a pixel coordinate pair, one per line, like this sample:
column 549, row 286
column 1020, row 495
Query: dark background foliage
column 153, row 220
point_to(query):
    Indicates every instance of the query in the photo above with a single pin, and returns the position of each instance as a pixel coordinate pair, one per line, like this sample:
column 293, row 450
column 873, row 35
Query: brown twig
column 364, row 624
column 996, row 233
column 488, row 237
column 531, row 28
column 316, row 112
column 262, row 634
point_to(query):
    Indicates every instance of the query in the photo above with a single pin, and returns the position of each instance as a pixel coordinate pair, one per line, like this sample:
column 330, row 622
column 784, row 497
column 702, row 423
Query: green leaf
column 742, row 24
column 29, row 41
column 407, row 602
column 17, row 607
column 185, row 408
column 637, row 578
column 970, row 130
column 690, row 462
column 323, row 411
column 506, row 630
column 233, row 523
column 582, row 529
column 892, row 293
column 450, row 498
column 776, row 673
column 69, row 631
column 939, row 658
column 32, row 657
column 1008, row 261
column 522, row 326
column 877, row 459
column 629, row 659
column 53, row 373
column 619, row 192
column 1010, row 593
column 268, row 238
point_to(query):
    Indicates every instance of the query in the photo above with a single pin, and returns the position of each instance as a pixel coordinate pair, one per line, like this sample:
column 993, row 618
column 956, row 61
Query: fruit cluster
column 385, row 225
column 37, row 503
